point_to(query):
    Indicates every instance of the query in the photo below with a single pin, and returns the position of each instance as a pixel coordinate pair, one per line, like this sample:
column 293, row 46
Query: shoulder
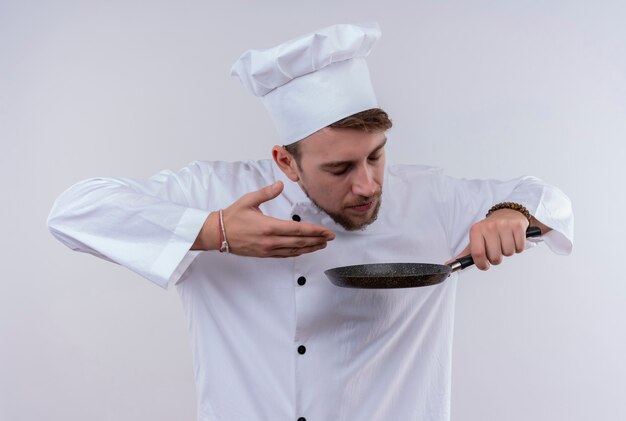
column 415, row 175
column 238, row 177
column 415, row 185
column 408, row 171
column 228, row 176
column 231, row 172
column 214, row 184
column 224, row 168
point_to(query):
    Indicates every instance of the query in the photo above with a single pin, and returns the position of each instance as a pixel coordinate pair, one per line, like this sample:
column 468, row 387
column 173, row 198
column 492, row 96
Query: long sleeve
column 467, row 202
column 147, row 226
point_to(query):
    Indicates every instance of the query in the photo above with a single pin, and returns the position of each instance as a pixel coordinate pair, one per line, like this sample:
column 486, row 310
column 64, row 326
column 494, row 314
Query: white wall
column 483, row 88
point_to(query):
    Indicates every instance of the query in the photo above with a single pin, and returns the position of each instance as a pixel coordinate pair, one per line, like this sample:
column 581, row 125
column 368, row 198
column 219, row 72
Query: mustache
column 366, row 200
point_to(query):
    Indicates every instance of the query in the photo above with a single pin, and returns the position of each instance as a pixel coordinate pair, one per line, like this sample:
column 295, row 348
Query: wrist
column 208, row 237
column 512, row 206
column 507, row 213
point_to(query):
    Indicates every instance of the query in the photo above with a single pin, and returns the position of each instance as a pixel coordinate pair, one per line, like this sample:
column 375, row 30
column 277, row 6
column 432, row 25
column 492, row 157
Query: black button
column 296, row 218
column 301, row 419
column 301, row 349
column 301, row 280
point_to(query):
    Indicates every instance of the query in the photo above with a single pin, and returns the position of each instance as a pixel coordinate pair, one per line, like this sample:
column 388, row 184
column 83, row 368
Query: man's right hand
column 250, row 233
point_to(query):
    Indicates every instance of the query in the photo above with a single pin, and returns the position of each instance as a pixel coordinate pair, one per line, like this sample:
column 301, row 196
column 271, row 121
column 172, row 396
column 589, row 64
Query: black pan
column 401, row 275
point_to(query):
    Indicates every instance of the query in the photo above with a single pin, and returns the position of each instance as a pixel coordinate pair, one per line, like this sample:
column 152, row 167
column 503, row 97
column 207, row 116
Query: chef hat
column 314, row 80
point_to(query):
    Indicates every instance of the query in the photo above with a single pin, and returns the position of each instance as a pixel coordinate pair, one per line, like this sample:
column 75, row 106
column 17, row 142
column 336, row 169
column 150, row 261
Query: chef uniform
column 273, row 339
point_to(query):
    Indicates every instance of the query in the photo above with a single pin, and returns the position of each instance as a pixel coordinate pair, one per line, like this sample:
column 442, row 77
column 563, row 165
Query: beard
column 345, row 221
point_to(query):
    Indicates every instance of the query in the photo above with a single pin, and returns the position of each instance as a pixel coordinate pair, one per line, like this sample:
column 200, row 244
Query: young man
column 272, row 338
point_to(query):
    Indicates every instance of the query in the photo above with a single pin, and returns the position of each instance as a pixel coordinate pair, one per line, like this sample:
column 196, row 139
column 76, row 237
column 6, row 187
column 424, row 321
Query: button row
column 301, row 282
column 301, row 350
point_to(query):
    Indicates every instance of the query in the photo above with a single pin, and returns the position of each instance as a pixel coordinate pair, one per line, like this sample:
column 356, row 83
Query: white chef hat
column 314, row 80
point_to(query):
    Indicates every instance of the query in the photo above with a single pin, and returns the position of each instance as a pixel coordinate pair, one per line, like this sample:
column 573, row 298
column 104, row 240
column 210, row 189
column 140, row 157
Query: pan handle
column 466, row 261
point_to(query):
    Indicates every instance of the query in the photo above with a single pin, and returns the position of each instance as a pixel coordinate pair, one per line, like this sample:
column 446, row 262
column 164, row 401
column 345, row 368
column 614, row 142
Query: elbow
column 70, row 208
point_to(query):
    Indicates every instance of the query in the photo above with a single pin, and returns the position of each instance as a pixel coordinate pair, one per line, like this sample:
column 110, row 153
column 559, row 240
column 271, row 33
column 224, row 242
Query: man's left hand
column 503, row 233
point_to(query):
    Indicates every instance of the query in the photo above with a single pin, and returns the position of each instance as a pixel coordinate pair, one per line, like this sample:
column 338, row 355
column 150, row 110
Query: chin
column 355, row 224
column 345, row 221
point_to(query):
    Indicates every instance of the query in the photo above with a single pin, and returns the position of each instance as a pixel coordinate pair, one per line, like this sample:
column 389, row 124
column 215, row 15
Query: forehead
column 330, row 143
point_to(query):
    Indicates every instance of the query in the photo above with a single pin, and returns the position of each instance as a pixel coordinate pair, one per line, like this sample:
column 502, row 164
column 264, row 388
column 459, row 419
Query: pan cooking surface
column 388, row 275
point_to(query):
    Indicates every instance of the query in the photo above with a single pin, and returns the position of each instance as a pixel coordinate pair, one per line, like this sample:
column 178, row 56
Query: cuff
column 177, row 256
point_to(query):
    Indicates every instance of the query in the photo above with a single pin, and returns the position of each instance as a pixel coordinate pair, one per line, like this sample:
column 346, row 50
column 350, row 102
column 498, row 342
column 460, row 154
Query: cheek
column 331, row 190
column 380, row 173
column 380, row 178
column 332, row 193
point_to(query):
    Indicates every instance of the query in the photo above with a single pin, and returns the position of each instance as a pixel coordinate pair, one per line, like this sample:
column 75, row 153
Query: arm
column 144, row 225
column 251, row 233
column 155, row 227
column 503, row 233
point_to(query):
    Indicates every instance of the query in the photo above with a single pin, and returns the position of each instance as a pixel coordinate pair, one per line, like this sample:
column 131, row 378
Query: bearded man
column 246, row 245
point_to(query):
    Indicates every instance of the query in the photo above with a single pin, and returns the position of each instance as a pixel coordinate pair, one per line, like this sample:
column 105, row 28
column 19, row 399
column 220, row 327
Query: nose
column 363, row 183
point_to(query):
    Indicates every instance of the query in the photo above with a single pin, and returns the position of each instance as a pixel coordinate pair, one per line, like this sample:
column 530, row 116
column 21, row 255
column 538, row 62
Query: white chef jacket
column 273, row 339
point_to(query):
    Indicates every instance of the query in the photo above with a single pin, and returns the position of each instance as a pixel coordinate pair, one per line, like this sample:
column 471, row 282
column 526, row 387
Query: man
column 246, row 244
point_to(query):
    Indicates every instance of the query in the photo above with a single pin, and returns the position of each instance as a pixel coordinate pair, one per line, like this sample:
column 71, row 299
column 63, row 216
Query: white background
column 488, row 89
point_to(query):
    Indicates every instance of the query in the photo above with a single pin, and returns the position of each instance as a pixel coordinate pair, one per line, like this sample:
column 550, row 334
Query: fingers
column 478, row 248
column 251, row 233
column 290, row 239
column 493, row 248
column 491, row 241
column 519, row 239
column 507, row 243
column 296, row 251
column 278, row 246
column 283, row 242
column 255, row 198
column 280, row 227
column 488, row 249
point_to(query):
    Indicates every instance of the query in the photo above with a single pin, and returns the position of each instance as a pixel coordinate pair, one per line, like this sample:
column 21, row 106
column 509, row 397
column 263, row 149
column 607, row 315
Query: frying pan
column 401, row 275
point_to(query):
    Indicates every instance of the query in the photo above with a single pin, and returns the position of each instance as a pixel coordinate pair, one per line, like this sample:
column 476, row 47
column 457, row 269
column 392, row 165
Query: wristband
column 510, row 205
column 223, row 241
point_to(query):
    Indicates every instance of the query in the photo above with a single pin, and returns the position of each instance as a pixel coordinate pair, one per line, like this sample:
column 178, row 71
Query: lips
column 362, row 207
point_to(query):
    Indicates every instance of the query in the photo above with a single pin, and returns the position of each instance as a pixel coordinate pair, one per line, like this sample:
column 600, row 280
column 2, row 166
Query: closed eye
column 339, row 172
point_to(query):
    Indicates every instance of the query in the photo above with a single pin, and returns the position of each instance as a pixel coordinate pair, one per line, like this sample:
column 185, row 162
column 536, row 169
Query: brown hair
column 370, row 121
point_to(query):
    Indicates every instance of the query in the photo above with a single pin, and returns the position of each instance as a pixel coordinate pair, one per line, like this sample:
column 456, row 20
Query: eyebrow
column 336, row 164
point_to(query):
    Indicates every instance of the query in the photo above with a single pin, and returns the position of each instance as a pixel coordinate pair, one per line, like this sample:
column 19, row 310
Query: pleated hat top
column 314, row 80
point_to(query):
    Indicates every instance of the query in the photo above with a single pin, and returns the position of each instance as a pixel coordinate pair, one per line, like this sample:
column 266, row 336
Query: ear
column 286, row 162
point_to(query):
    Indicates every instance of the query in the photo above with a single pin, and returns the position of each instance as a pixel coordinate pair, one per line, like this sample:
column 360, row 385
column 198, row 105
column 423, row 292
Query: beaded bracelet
column 510, row 205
